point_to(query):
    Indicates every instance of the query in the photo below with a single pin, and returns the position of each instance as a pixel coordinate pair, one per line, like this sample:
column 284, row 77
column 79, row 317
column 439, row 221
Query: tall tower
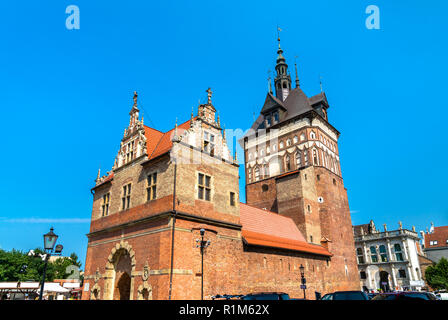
column 292, row 168
column 282, row 79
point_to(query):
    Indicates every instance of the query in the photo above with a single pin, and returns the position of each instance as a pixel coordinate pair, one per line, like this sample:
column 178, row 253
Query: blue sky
column 65, row 96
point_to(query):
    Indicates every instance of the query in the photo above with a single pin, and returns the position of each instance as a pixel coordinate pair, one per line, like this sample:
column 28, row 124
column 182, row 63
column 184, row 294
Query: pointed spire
column 269, row 82
column 320, row 83
column 297, row 74
column 219, row 122
column 99, row 174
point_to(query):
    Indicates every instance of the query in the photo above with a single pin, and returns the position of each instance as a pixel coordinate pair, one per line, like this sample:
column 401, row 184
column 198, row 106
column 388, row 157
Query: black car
column 328, row 296
column 266, row 296
column 405, row 295
column 350, row 295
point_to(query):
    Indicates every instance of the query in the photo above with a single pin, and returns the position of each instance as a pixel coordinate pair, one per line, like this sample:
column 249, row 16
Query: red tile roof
column 440, row 235
column 265, row 228
column 158, row 143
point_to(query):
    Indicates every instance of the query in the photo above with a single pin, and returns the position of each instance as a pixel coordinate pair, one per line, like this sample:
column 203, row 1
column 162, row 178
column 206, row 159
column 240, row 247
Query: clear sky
column 65, row 96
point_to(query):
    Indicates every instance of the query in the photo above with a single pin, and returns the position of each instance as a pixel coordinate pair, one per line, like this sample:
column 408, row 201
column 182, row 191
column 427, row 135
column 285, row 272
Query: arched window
column 302, row 137
column 315, row 157
column 287, row 163
column 266, row 171
column 288, row 142
column 257, row 174
column 298, row 159
column 373, row 254
column 281, row 145
column 383, row 253
column 312, row 135
column 295, row 139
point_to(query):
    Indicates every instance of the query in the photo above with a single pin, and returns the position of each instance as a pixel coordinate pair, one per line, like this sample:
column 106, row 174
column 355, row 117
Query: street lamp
column 303, row 285
column 49, row 242
column 202, row 244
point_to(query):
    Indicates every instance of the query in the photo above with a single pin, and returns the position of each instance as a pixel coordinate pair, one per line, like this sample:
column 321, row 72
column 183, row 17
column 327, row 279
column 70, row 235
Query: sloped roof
column 271, row 102
column 158, row 143
column 296, row 103
column 440, row 234
column 268, row 229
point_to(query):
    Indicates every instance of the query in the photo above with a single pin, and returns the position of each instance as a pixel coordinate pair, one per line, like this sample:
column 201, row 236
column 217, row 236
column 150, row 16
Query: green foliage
column 18, row 266
column 437, row 275
column 63, row 263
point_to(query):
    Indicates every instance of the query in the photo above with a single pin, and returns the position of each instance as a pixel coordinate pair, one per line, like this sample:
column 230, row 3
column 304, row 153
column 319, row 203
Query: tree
column 18, row 266
column 63, row 263
column 437, row 275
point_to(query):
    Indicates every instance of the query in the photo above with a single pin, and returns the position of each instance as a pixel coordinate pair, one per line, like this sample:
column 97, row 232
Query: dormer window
column 268, row 121
column 276, row 118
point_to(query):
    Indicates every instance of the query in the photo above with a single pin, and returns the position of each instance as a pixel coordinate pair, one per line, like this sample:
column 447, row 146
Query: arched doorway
column 384, row 281
column 123, row 288
column 122, row 268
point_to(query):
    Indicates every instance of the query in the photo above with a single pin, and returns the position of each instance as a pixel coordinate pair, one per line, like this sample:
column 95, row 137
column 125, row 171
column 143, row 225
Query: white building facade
column 388, row 260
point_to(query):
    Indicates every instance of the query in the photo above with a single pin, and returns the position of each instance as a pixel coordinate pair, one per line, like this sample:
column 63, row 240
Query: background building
column 388, row 260
column 435, row 242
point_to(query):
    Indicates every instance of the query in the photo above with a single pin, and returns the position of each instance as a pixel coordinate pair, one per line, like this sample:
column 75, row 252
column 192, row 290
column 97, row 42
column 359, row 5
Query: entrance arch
column 384, row 281
column 120, row 268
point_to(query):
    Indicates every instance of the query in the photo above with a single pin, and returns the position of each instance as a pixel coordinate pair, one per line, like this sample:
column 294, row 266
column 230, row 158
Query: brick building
column 164, row 187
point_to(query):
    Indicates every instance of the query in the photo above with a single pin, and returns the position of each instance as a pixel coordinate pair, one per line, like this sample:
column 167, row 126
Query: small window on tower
column 276, row 117
column 232, row 199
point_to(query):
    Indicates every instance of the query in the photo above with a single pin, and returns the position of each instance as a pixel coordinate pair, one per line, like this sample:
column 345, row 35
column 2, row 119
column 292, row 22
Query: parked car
column 350, row 295
column 442, row 295
column 328, row 296
column 372, row 295
column 406, row 295
column 266, row 296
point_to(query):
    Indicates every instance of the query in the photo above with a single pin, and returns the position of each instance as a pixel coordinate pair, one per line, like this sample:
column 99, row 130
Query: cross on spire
column 209, row 96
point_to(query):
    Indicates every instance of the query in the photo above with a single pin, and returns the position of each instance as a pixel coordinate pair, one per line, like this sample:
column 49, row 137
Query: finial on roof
column 320, row 83
column 209, row 96
column 99, row 174
column 219, row 122
column 400, row 225
column 385, row 227
column 413, row 228
column 269, row 82
column 278, row 36
column 297, row 75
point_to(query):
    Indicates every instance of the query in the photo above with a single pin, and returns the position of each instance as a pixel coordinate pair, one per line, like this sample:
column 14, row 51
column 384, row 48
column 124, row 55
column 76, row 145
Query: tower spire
column 282, row 79
column 297, row 74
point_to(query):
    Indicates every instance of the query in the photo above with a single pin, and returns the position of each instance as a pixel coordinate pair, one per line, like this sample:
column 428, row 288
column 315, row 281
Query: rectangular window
column 126, row 198
column 232, row 199
column 151, row 189
column 402, row 273
column 399, row 256
column 204, row 187
column 363, row 275
column 209, row 143
column 105, row 206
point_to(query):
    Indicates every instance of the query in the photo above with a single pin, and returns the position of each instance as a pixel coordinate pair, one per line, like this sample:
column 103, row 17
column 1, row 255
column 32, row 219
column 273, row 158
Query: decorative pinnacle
column 209, row 96
column 297, row 74
column 278, row 37
column 99, row 174
column 135, row 98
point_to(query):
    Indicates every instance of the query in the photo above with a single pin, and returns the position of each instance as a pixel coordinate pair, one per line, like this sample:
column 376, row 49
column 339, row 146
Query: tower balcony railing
column 387, row 234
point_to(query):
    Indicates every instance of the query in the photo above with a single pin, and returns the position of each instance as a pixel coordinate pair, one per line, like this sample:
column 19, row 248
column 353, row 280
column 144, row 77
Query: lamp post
column 303, row 285
column 49, row 242
column 202, row 244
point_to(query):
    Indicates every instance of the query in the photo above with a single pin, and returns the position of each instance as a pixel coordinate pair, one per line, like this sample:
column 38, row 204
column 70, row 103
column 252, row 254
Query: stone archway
column 120, row 267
